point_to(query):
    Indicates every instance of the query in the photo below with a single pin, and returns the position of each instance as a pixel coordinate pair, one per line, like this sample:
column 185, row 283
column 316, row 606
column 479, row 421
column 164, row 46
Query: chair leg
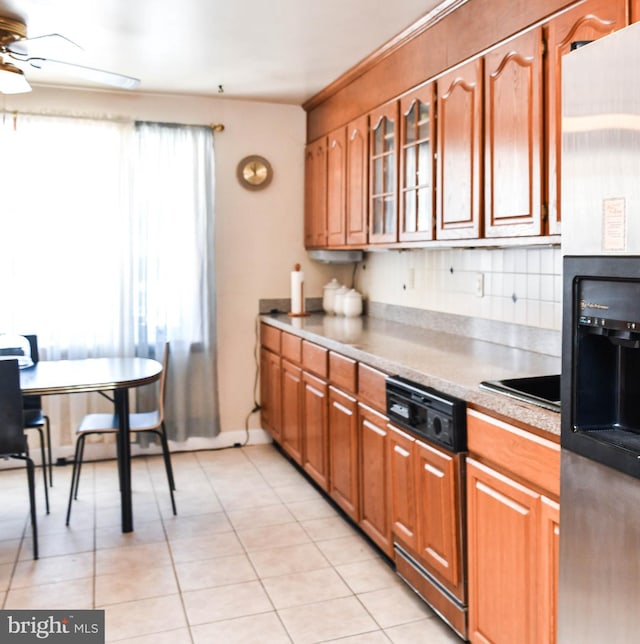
column 32, row 503
column 74, row 474
column 167, row 453
column 44, row 465
column 167, row 465
column 48, row 432
column 78, row 464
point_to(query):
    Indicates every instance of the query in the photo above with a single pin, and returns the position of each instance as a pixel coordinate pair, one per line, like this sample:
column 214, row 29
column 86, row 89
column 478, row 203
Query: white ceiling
column 281, row 51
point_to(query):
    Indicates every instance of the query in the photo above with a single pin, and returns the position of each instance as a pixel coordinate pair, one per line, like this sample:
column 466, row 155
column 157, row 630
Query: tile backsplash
column 517, row 285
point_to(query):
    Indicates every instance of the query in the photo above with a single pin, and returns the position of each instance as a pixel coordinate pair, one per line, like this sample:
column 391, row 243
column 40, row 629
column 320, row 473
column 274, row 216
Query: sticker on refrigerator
column 614, row 220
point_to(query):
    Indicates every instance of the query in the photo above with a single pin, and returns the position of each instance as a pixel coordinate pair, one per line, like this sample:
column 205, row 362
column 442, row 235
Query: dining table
column 114, row 375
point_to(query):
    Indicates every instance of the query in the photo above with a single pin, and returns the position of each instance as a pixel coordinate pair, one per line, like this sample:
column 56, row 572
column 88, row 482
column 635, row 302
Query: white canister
column 329, row 296
column 352, row 304
column 338, row 302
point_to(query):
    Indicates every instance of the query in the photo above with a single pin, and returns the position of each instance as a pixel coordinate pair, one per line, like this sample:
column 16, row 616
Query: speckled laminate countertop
column 447, row 362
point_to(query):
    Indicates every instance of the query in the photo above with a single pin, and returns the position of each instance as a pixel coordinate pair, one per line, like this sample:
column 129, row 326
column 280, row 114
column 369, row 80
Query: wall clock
column 254, row 172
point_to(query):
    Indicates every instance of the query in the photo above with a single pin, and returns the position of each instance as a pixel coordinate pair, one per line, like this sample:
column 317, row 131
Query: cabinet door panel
column 513, row 127
column 383, row 151
column 417, row 149
column 357, row 184
column 270, row 388
column 549, row 559
column 315, row 194
column 336, row 186
column 402, row 482
column 459, row 212
column 438, row 503
column 635, row 10
column 343, row 451
column 374, row 489
column 291, row 429
column 316, row 438
column 589, row 21
column 502, row 521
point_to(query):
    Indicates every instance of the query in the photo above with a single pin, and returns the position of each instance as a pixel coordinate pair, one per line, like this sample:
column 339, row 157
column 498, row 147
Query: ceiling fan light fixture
column 12, row 80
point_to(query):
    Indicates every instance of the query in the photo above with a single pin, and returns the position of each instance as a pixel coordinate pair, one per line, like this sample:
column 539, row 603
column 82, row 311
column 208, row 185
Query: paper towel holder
column 297, row 283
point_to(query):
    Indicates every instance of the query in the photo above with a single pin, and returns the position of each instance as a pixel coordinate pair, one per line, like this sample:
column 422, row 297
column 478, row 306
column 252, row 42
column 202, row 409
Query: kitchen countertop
column 447, row 362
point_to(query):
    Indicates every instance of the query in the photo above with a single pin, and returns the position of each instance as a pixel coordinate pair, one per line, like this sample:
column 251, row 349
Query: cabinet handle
column 400, row 450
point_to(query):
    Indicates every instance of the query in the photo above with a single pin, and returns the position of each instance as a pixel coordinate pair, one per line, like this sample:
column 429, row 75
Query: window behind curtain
column 107, row 235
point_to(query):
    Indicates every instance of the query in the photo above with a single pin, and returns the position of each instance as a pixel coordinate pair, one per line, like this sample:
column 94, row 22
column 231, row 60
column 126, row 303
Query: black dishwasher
column 428, row 434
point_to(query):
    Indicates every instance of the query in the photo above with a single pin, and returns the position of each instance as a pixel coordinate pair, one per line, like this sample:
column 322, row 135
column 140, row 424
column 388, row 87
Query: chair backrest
column 12, row 438
column 33, row 343
column 163, row 380
column 33, row 402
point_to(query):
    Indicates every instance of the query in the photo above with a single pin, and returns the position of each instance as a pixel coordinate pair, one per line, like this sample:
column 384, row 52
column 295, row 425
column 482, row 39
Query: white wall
column 259, row 235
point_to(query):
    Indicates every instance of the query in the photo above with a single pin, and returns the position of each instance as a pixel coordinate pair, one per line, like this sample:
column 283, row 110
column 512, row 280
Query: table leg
column 121, row 402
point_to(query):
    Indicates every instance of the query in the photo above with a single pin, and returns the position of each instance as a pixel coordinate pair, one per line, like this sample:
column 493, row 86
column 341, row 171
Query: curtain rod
column 215, row 127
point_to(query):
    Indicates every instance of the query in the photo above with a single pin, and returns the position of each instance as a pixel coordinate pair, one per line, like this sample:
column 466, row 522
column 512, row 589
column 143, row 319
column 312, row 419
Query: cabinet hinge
column 545, row 212
column 545, row 47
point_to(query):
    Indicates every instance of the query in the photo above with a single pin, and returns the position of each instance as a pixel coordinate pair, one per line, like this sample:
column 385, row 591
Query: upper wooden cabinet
column 513, row 137
column 470, row 149
column 591, row 20
column 383, row 175
column 459, row 211
column 417, row 172
column 357, row 185
column 336, row 188
column 635, row 10
column 315, row 194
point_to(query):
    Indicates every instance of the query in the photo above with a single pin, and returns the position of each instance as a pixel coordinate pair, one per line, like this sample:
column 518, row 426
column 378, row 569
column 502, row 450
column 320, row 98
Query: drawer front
column 343, row 372
column 371, row 387
column 314, row 358
column 291, row 347
column 515, row 450
column 270, row 337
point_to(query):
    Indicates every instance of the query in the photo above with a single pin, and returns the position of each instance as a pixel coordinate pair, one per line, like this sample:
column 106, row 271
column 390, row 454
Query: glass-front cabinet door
column 417, row 129
column 383, row 210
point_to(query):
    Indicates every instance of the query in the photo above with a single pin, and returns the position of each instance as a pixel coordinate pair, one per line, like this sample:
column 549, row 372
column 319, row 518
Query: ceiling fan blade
column 41, row 46
column 88, row 73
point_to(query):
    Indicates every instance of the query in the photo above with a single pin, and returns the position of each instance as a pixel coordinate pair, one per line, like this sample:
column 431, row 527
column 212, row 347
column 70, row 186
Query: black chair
column 140, row 422
column 13, row 442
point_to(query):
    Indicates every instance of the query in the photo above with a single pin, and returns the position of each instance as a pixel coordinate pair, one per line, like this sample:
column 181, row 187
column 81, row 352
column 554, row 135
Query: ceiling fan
column 16, row 52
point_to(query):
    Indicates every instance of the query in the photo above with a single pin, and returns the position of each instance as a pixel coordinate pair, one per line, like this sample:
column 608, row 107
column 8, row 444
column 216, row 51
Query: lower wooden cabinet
column 438, row 503
column 404, row 517
column 374, row 479
column 315, row 427
column 343, row 451
column 291, row 423
column 503, row 522
column 512, row 532
column 550, row 554
column 270, row 389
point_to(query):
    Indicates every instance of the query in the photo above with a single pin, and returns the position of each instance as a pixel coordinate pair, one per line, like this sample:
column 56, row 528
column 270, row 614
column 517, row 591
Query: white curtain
column 107, row 233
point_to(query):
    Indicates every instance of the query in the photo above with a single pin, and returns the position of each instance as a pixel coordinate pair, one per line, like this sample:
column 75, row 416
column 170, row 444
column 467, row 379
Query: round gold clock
column 254, row 172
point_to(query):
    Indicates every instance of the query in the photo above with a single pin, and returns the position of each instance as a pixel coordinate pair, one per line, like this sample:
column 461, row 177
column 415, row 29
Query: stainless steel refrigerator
column 599, row 569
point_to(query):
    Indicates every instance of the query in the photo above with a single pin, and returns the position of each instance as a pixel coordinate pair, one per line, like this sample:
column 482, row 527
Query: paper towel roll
column 297, row 291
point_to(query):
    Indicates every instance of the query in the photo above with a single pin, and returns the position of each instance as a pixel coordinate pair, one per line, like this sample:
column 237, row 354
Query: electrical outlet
column 479, row 285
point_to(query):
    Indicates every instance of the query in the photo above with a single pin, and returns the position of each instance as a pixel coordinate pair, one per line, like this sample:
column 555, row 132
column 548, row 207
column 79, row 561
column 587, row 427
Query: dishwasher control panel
column 430, row 414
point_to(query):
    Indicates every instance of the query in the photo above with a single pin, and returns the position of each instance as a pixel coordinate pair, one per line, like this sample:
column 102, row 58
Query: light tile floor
column 255, row 554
